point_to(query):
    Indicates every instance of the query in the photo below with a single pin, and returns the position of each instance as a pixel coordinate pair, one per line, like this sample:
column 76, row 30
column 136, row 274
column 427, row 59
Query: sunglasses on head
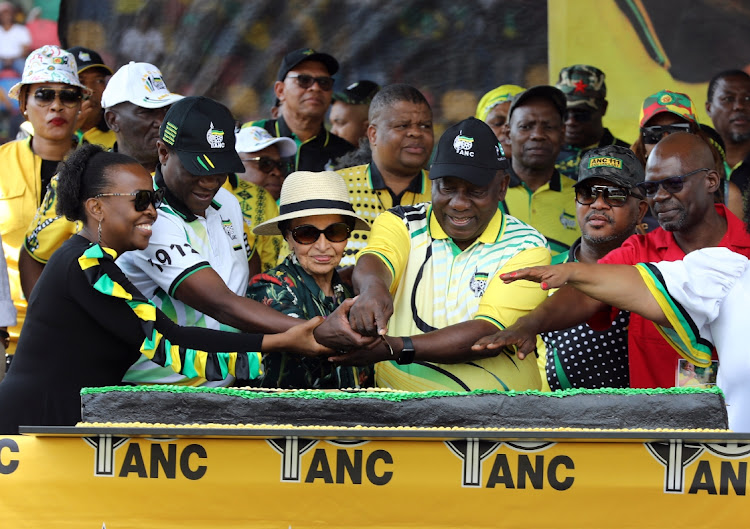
column 69, row 97
column 308, row 234
column 143, row 198
column 671, row 185
column 266, row 164
column 652, row 135
column 613, row 196
column 306, row 81
column 581, row 115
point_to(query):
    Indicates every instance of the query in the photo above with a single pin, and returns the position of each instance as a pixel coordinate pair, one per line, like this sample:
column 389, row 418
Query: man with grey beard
column 728, row 105
column 609, row 207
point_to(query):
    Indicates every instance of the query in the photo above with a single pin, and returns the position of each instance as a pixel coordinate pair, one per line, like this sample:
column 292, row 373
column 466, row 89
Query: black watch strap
column 406, row 356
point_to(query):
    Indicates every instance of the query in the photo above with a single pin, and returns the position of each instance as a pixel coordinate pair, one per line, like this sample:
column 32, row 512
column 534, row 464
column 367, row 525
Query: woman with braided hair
column 86, row 323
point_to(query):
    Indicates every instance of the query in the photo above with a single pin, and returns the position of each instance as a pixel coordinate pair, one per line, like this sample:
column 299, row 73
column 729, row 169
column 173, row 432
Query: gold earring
column 100, row 232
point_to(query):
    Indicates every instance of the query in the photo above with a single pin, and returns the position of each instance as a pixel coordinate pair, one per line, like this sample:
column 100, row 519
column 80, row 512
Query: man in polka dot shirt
column 609, row 207
column 401, row 139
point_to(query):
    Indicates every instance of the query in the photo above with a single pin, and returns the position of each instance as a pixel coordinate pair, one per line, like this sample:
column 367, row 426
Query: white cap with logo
column 254, row 139
column 139, row 83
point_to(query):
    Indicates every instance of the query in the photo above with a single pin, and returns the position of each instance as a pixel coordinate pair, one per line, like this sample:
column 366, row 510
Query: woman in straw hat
column 316, row 218
column 50, row 97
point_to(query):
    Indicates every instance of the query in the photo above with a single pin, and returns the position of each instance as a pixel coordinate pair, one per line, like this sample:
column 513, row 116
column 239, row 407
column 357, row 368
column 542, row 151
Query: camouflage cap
column 612, row 163
column 583, row 85
column 668, row 101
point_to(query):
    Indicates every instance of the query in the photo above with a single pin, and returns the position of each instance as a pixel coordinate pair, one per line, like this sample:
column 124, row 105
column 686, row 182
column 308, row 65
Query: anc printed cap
column 139, row 83
column 583, row 85
column 296, row 57
column 470, row 151
column 201, row 131
column 613, row 163
column 491, row 99
column 358, row 93
column 87, row 58
column 48, row 64
column 668, row 101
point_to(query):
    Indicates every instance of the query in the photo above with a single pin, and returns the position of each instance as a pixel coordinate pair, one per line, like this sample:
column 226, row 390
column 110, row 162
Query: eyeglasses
column 68, row 97
column 308, row 234
column 613, row 196
column 306, row 81
column 671, row 185
column 267, row 164
column 652, row 135
column 581, row 115
column 143, row 198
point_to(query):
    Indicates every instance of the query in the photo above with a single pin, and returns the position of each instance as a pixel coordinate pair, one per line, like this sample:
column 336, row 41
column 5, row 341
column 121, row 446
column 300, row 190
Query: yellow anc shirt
column 257, row 206
column 20, row 194
column 551, row 209
column 48, row 230
column 97, row 136
column 370, row 197
column 435, row 285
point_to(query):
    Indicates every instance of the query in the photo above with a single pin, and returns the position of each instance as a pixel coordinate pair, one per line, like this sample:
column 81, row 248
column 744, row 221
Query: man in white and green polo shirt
column 195, row 267
column 428, row 276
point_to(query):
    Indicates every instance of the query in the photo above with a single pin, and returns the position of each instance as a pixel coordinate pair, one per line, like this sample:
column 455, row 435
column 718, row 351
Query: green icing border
column 393, row 396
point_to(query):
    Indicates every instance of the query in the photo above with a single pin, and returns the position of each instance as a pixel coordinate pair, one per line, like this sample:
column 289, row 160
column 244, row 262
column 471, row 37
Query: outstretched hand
column 518, row 340
column 553, row 276
column 300, row 338
column 336, row 333
column 370, row 314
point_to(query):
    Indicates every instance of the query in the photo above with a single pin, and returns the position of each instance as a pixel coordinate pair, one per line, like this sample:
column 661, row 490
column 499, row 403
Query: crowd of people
column 151, row 233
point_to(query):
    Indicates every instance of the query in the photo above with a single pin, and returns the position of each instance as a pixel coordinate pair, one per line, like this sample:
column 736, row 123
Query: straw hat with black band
column 305, row 194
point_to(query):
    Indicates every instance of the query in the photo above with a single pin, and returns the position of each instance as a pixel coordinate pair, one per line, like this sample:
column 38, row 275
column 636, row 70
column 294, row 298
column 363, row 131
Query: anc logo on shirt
column 605, row 161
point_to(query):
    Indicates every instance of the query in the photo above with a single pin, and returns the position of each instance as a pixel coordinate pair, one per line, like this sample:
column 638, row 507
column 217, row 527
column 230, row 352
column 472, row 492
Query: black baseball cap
column 470, row 151
column 358, row 93
column 201, row 131
column 87, row 58
column 296, row 57
column 548, row 92
column 612, row 163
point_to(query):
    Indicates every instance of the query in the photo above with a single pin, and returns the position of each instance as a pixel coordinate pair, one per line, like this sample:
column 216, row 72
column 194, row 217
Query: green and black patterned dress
column 289, row 289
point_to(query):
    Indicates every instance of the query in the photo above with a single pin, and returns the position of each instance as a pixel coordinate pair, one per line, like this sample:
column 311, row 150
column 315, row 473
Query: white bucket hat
column 48, row 64
column 305, row 194
column 139, row 83
column 254, row 139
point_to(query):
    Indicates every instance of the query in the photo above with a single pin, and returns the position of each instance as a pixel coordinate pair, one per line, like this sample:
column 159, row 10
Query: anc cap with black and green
column 358, row 93
column 667, row 101
column 583, row 85
column 201, row 131
column 612, row 163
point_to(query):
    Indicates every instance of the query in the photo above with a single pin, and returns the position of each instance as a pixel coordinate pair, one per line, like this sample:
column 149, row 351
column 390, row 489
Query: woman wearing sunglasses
column 87, row 323
column 316, row 218
column 49, row 96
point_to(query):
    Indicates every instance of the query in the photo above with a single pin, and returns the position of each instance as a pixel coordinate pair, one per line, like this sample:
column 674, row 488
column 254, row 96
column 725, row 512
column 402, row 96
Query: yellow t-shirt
column 551, row 209
column 370, row 197
column 450, row 286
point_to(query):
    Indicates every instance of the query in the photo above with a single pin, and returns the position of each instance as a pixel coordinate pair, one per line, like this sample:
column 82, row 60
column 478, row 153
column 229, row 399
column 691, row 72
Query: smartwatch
column 406, row 356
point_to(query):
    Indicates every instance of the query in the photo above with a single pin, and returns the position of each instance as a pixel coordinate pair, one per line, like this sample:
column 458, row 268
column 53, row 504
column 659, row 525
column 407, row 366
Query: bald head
column 691, row 151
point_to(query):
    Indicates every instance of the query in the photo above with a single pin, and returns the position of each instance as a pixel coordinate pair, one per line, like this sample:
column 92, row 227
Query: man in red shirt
column 680, row 184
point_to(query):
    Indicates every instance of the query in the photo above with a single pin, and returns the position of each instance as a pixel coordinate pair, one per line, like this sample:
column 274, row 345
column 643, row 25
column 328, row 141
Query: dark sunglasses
column 581, row 115
column 308, row 234
column 613, row 196
column 671, row 185
column 267, row 164
column 652, row 135
column 143, row 198
column 306, row 81
column 68, row 97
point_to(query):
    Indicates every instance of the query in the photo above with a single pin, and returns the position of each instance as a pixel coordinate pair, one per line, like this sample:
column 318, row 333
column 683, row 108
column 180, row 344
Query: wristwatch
column 406, row 356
